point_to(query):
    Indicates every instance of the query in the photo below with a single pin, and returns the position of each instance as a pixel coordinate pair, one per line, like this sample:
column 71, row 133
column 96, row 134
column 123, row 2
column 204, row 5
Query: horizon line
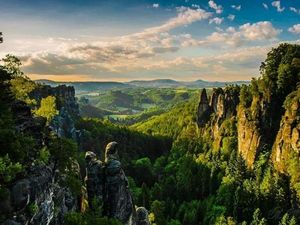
column 104, row 81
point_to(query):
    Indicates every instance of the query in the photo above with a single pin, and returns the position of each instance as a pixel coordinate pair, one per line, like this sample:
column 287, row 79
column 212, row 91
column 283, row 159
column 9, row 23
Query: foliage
column 12, row 65
column 132, row 144
column 170, row 124
column 63, row 151
column 48, row 108
column 8, row 169
column 88, row 218
column 22, row 87
column 43, row 157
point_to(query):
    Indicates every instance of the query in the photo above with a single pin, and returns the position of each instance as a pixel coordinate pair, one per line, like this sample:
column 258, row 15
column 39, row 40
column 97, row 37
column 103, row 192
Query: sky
column 122, row 40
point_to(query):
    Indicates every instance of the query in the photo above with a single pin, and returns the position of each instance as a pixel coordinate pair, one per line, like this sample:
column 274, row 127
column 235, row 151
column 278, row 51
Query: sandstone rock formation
column 108, row 186
column 221, row 106
column 118, row 200
column 65, row 96
column 287, row 141
column 204, row 109
column 249, row 136
column 94, row 180
column 37, row 194
column 256, row 125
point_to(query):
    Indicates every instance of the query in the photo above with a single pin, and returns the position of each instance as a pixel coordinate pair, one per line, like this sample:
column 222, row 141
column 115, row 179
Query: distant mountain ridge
column 88, row 86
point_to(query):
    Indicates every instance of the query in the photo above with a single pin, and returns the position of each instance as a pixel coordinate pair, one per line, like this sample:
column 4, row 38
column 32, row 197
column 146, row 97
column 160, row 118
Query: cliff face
column 39, row 196
column 38, row 199
column 287, row 143
column 204, row 109
column 63, row 123
column 65, row 97
column 220, row 107
column 256, row 126
column 249, row 136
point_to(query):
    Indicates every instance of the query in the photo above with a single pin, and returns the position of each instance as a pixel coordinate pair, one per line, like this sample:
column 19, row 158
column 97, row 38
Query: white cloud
column 231, row 17
column 115, row 54
column 265, row 6
column 293, row 9
column 237, row 7
column 263, row 30
column 295, row 29
column 213, row 5
column 216, row 20
column 259, row 31
column 155, row 5
column 277, row 5
column 234, row 64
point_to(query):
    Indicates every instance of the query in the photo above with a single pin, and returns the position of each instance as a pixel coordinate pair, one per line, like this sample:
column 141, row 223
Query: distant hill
column 88, row 86
column 158, row 83
column 203, row 83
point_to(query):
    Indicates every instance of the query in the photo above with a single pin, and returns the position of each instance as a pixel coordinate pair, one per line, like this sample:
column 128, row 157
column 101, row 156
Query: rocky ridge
column 255, row 129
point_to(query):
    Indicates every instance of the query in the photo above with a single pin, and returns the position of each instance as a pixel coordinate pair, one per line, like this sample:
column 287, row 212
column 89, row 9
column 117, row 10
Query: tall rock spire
column 204, row 109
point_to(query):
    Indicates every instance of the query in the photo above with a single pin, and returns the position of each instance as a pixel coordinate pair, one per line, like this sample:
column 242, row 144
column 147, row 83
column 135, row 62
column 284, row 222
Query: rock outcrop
column 204, row 109
column 221, row 106
column 249, row 136
column 287, row 143
column 256, row 126
column 142, row 217
column 108, row 187
column 65, row 97
column 118, row 201
column 38, row 196
column 95, row 178
column 32, row 200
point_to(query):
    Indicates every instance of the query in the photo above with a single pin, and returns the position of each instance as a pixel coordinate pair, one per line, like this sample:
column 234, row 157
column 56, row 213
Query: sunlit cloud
column 295, row 29
column 216, row 20
column 210, row 40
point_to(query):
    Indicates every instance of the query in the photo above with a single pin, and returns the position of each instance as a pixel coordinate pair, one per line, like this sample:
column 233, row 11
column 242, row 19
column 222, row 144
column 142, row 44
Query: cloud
column 127, row 53
column 263, row 30
column 293, row 9
column 237, row 7
column 221, row 66
column 155, row 5
column 259, row 31
column 213, row 5
column 231, row 17
column 295, row 29
column 185, row 16
column 115, row 54
column 265, row 6
column 277, row 5
column 216, row 20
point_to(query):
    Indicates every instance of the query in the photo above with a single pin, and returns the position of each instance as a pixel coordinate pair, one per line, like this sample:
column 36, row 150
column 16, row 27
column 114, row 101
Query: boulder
column 142, row 216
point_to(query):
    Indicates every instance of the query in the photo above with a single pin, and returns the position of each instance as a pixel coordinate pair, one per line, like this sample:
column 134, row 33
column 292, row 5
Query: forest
column 184, row 172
